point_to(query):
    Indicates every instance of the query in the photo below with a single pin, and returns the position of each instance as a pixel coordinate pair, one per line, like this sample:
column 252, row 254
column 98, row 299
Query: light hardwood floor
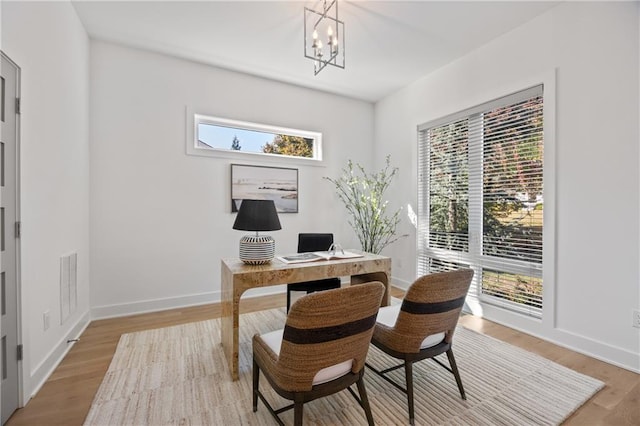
column 67, row 395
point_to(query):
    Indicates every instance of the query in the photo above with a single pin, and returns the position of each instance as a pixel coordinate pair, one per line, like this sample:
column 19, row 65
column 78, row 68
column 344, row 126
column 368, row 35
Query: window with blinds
column 480, row 198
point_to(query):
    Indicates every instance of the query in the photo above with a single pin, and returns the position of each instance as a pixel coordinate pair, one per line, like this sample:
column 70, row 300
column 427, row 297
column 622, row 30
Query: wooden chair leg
column 365, row 400
column 408, row 373
column 297, row 412
column 456, row 373
column 256, row 378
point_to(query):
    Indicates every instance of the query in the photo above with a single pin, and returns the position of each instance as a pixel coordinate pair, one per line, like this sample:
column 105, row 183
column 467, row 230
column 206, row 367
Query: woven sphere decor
column 257, row 249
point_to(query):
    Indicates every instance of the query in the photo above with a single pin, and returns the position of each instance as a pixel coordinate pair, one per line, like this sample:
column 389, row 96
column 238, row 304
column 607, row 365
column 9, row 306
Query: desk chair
column 308, row 242
column 321, row 350
column 422, row 326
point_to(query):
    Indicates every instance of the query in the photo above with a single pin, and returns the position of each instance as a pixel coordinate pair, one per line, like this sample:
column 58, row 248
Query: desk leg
column 229, row 322
column 383, row 277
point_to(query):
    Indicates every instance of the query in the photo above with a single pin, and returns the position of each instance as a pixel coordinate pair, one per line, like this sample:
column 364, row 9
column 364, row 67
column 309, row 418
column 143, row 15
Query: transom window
column 480, row 199
column 213, row 135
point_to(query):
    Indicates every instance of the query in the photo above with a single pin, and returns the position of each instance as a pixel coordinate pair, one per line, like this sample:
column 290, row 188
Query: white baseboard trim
column 620, row 357
column 42, row 371
column 155, row 305
column 401, row 284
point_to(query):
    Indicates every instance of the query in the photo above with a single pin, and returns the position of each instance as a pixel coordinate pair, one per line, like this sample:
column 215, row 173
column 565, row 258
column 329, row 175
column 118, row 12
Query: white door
column 9, row 234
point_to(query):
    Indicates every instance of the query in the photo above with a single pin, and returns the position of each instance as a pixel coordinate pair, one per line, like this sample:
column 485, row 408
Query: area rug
column 178, row 375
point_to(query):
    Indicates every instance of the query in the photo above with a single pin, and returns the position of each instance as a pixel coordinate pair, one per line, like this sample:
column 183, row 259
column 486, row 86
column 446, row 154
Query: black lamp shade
column 257, row 215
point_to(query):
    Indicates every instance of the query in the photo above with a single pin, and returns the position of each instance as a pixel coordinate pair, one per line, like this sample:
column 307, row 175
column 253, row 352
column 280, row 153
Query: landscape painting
column 265, row 183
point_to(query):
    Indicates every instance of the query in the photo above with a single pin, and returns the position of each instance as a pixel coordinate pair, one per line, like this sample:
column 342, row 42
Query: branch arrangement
column 362, row 195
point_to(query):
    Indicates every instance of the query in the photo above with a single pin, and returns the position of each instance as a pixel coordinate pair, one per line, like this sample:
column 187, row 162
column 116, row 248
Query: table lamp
column 257, row 215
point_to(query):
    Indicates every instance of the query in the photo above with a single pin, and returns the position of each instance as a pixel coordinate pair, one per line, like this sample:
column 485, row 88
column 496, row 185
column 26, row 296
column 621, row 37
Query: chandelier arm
column 335, row 43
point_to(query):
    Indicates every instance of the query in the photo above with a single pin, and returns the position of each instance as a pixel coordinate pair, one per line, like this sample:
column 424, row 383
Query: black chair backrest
column 314, row 242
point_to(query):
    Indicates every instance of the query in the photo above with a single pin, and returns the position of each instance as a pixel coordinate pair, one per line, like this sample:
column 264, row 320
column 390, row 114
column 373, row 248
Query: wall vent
column 68, row 286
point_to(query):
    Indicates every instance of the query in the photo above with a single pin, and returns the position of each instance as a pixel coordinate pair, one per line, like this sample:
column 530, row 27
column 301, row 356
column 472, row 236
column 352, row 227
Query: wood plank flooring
column 66, row 397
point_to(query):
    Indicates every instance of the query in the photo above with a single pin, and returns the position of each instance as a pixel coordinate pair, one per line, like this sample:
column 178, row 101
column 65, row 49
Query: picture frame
column 280, row 184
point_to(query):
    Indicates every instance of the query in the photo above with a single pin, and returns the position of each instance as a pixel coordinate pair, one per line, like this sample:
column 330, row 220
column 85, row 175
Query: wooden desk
column 238, row 277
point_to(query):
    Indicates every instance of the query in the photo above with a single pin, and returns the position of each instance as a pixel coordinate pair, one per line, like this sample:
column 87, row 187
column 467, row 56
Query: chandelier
column 324, row 37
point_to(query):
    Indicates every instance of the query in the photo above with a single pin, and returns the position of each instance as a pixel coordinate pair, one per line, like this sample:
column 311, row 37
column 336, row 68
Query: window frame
column 475, row 258
column 192, row 148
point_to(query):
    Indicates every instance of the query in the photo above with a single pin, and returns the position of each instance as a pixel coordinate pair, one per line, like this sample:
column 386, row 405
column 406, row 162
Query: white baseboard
column 155, row 305
column 42, row 371
column 401, row 284
column 620, row 357
column 610, row 354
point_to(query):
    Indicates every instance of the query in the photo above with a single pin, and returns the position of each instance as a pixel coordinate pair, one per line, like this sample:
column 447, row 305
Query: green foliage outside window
column 290, row 145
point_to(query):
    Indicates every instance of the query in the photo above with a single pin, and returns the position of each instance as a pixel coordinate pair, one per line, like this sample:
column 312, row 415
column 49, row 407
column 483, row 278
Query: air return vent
column 68, row 286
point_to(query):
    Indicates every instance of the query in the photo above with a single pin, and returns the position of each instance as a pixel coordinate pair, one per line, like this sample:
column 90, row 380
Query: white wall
column 593, row 50
column 160, row 219
column 51, row 47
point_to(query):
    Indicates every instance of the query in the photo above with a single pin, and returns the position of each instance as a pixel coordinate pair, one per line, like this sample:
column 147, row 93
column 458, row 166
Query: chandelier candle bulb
column 318, row 22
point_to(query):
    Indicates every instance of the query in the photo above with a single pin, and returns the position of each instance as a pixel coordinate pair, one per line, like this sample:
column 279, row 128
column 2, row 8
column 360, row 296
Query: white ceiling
column 389, row 44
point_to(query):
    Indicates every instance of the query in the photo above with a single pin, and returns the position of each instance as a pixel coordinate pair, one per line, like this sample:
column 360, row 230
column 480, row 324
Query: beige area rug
column 178, row 375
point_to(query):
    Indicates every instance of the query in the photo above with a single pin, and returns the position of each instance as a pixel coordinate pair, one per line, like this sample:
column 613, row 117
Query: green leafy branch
column 363, row 196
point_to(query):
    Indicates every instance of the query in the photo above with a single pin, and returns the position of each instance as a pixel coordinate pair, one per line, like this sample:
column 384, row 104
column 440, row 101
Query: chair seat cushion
column 273, row 339
column 387, row 315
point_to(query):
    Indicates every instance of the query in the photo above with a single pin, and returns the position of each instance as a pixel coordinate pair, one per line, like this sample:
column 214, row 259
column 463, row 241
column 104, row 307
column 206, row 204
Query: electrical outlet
column 636, row 318
column 46, row 320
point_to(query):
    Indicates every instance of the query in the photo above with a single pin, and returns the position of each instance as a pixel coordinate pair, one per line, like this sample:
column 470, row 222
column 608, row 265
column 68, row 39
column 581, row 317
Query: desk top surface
column 236, row 266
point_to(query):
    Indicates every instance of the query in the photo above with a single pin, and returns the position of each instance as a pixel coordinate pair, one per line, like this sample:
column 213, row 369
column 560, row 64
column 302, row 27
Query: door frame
column 18, row 240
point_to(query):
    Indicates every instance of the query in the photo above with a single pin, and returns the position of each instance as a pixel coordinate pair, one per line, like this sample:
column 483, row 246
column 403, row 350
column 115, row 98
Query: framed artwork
column 265, row 183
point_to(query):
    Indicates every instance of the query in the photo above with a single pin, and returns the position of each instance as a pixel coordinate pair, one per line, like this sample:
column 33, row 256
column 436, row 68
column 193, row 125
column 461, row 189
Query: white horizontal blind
column 480, row 198
column 512, row 201
column 449, row 186
column 443, row 195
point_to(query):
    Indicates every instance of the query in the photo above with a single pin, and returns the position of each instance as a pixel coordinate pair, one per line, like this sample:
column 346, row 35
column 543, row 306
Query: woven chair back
column 431, row 305
column 327, row 328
